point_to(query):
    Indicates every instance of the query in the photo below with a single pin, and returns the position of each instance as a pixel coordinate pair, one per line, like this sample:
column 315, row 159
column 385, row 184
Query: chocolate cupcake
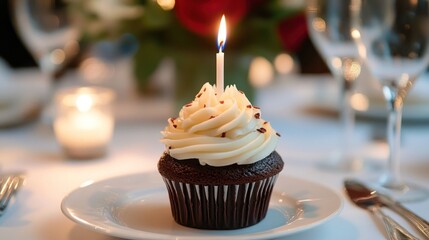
column 220, row 163
column 229, row 197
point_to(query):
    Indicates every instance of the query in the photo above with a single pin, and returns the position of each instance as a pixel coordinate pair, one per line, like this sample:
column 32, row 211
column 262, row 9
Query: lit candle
column 221, row 39
column 84, row 121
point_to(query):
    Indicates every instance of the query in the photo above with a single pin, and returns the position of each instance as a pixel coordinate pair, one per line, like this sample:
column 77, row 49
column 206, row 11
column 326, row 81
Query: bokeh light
column 260, row 72
column 283, row 63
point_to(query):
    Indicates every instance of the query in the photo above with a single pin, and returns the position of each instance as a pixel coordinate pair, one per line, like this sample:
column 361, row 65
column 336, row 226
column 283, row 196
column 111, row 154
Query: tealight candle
column 84, row 121
column 221, row 39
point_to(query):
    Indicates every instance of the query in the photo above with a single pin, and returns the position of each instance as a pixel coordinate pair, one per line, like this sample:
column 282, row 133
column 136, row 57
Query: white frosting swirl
column 219, row 130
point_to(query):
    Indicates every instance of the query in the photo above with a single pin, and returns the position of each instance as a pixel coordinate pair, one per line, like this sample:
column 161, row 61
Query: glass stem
column 347, row 118
column 392, row 178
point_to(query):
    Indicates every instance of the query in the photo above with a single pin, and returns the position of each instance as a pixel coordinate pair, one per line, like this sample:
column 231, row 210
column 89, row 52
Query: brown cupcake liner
column 220, row 206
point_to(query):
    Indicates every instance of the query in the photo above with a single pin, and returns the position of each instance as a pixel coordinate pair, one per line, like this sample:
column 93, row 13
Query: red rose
column 293, row 31
column 203, row 16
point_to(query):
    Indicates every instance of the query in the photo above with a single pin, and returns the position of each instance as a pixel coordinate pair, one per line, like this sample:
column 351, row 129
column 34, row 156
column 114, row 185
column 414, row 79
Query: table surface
column 309, row 137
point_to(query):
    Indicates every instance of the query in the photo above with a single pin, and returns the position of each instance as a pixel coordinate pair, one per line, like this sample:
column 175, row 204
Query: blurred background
column 153, row 49
column 284, row 20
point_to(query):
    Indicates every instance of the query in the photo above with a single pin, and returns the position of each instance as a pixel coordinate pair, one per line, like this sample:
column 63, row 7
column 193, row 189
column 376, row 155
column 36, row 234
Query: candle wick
column 220, row 46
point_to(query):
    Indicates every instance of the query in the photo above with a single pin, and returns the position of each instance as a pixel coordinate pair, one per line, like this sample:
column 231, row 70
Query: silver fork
column 9, row 185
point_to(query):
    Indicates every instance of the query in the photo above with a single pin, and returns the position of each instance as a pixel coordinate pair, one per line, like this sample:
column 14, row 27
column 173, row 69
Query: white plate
column 412, row 111
column 137, row 207
column 416, row 103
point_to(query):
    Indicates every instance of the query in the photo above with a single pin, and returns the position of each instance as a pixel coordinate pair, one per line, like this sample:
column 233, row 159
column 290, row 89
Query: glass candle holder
column 84, row 121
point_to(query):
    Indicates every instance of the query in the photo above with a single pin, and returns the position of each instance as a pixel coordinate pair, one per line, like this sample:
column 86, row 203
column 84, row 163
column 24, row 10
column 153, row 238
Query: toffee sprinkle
column 265, row 123
column 255, row 107
column 241, row 92
column 262, row 130
column 169, row 147
column 172, row 120
column 188, row 105
column 199, row 95
column 257, row 115
column 249, row 106
column 212, row 117
column 204, row 89
column 223, row 134
column 175, row 126
column 221, row 102
column 204, row 105
column 278, row 134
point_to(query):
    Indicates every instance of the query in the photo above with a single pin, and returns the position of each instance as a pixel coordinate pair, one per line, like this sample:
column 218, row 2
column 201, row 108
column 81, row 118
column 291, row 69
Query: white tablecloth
column 307, row 140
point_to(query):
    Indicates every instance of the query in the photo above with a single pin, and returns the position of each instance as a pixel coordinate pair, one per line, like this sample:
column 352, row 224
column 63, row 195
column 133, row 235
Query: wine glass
column 45, row 30
column 393, row 40
column 329, row 24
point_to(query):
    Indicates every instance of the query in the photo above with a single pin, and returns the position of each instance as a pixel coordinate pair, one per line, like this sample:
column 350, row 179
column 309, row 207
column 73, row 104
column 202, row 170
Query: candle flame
column 221, row 36
column 83, row 103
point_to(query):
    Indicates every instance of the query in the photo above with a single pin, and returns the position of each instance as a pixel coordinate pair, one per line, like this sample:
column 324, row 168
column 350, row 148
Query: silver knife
column 366, row 200
column 419, row 223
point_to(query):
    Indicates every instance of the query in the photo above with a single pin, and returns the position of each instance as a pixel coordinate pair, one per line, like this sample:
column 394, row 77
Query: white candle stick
column 221, row 39
column 219, row 71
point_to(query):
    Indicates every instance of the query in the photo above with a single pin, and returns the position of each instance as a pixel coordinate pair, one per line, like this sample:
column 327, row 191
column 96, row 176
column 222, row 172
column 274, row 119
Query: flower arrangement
column 186, row 31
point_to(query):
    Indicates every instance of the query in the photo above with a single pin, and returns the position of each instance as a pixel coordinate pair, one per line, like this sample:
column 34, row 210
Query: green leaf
column 146, row 61
column 154, row 17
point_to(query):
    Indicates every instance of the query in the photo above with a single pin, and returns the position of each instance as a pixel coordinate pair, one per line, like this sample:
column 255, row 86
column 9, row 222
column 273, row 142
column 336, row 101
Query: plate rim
column 413, row 111
column 139, row 234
